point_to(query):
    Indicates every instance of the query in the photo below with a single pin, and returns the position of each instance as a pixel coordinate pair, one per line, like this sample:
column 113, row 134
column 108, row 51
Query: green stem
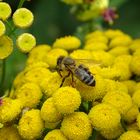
column 20, row 4
column 3, row 74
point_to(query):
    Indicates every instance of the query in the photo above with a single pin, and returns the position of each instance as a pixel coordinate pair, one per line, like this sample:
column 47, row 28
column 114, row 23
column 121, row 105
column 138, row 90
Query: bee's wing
column 88, row 62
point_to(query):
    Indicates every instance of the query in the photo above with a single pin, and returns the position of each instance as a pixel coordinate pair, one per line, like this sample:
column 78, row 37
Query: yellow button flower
column 67, row 43
column 49, row 112
column 29, row 93
column 66, row 100
column 2, row 28
column 26, row 42
column 6, row 46
column 76, row 126
column 121, row 100
column 5, row 10
column 112, row 133
column 130, row 135
column 50, row 84
column 23, row 18
column 131, row 115
column 31, row 124
column 38, row 53
column 55, row 134
column 10, row 109
column 9, row 133
column 104, row 117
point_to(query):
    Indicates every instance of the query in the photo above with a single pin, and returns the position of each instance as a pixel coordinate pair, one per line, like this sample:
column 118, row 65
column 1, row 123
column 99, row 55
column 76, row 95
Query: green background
column 53, row 19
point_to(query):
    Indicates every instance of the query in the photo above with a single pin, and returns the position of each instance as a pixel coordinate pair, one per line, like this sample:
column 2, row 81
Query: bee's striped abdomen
column 84, row 75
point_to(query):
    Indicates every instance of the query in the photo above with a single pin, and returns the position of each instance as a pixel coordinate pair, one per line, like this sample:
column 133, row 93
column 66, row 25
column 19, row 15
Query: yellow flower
column 53, row 55
column 131, row 115
column 5, row 10
column 2, row 28
column 137, row 52
column 67, row 43
column 29, row 93
column 119, row 99
column 10, row 109
column 31, row 125
column 135, row 45
column 76, row 126
column 94, row 34
column 55, row 134
column 135, row 65
column 111, row 33
column 103, row 57
column 130, row 135
column 25, row 42
column 95, row 46
column 122, row 40
column 73, row 1
column 38, row 54
column 36, row 75
column 81, row 54
column 92, row 93
column 49, row 112
column 9, row 133
column 96, row 38
column 137, row 86
column 112, row 133
column 131, row 85
column 66, row 100
column 104, row 117
column 39, row 64
column 23, row 18
column 136, row 97
column 119, row 50
column 6, row 46
column 50, row 84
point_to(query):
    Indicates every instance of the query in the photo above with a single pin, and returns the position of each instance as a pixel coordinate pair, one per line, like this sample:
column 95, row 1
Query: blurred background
column 53, row 19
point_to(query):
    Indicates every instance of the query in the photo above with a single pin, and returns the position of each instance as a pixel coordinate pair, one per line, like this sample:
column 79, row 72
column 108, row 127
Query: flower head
column 5, row 10
column 29, row 93
column 130, row 135
column 6, row 46
column 104, row 117
column 67, row 100
column 76, row 126
column 49, row 112
column 67, row 43
column 10, row 109
column 55, row 134
column 26, row 42
column 31, row 124
column 23, row 18
column 9, row 133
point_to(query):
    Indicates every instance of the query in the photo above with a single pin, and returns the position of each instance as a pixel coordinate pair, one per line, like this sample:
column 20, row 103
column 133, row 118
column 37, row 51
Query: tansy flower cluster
column 22, row 18
column 38, row 108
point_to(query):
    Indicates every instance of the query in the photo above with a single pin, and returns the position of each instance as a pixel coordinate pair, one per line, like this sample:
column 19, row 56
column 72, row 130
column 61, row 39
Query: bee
column 79, row 71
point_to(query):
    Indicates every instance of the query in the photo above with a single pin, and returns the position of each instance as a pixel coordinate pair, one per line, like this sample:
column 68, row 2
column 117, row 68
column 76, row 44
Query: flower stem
column 20, row 4
column 3, row 74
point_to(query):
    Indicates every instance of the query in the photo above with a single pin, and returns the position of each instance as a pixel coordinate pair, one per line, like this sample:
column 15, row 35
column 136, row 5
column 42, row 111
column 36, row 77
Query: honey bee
column 79, row 71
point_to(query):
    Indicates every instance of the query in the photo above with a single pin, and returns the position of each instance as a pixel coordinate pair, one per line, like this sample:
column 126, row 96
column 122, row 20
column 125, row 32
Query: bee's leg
column 59, row 72
column 64, row 78
column 73, row 81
